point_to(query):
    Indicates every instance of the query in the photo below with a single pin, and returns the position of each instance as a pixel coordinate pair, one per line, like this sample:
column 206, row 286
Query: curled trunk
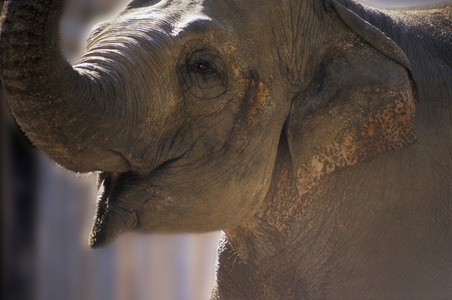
column 58, row 107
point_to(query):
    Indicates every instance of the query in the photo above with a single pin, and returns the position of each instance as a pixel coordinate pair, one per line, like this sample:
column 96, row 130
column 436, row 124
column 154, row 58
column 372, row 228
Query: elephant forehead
column 172, row 16
column 167, row 17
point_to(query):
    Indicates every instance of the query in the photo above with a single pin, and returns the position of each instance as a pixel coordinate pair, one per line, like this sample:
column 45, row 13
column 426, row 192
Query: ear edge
column 371, row 34
column 374, row 37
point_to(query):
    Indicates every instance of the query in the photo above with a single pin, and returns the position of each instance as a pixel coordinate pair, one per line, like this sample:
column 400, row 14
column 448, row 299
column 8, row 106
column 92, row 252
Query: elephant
column 317, row 134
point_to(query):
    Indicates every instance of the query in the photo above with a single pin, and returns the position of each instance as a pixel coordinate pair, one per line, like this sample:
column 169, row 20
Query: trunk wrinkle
column 58, row 108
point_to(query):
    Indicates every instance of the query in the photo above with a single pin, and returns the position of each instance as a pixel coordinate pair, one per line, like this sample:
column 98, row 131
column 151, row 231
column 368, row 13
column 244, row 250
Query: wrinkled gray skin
column 319, row 143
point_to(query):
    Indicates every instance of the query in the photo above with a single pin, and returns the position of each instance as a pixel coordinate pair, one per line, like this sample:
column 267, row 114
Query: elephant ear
column 359, row 104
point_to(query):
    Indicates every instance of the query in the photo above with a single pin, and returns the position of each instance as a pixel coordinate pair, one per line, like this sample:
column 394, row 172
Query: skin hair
column 315, row 134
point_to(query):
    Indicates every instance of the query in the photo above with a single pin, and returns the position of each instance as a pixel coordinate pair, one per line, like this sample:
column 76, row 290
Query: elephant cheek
column 257, row 103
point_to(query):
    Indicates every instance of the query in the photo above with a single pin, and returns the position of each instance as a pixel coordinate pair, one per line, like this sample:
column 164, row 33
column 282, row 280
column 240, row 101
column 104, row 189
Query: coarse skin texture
column 317, row 134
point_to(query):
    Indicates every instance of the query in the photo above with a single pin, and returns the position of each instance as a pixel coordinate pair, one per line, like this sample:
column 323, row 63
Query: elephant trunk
column 59, row 108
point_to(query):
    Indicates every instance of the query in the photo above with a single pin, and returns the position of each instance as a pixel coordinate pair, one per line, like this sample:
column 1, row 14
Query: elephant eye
column 203, row 74
column 202, row 67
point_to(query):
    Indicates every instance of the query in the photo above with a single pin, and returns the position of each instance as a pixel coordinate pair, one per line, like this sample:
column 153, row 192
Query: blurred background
column 47, row 214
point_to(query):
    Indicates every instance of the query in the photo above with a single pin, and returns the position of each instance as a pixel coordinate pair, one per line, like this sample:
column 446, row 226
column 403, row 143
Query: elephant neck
column 274, row 255
column 341, row 239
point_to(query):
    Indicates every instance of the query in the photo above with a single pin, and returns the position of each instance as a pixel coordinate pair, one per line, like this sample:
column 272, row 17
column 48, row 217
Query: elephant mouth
column 109, row 181
column 107, row 185
column 120, row 199
column 111, row 185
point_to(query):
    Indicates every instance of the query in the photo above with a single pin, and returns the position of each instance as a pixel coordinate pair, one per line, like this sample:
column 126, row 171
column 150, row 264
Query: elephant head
column 183, row 105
